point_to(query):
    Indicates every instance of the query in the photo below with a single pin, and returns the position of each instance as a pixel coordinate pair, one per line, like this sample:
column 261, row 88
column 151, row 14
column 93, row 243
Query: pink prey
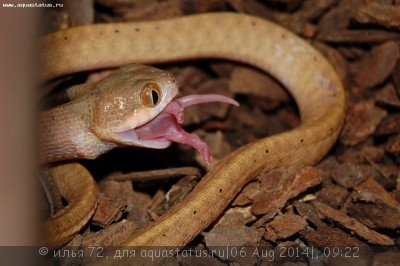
column 164, row 129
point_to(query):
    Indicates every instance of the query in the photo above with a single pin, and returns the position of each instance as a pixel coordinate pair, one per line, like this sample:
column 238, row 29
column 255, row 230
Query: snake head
column 128, row 98
column 133, row 106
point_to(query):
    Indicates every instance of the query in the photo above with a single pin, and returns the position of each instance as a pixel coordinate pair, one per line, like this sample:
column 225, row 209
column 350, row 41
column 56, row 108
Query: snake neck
column 65, row 134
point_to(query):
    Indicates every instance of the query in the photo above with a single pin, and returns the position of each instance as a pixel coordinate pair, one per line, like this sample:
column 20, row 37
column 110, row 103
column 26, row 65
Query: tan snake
column 297, row 65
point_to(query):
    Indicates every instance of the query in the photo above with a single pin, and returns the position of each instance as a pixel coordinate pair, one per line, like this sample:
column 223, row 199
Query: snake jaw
column 160, row 132
column 136, row 117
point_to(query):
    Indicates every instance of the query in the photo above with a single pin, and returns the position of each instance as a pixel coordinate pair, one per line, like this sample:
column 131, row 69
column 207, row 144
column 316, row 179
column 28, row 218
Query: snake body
column 80, row 190
column 300, row 68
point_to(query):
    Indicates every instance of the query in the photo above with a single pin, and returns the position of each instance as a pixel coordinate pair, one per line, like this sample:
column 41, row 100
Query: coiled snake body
column 254, row 41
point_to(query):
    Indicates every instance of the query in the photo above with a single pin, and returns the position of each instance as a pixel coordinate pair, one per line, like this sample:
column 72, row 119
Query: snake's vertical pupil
column 154, row 96
column 150, row 95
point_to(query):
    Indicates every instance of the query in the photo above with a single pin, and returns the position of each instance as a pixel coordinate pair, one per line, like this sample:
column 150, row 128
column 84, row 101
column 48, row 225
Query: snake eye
column 150, row 95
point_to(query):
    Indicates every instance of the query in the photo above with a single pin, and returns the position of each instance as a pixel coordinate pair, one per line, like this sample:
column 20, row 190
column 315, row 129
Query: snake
column 304, row 71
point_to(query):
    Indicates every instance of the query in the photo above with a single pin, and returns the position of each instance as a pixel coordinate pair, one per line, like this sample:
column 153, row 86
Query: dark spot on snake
column 66, row 38
column 332, row 87
column 283, row 36
column 194, row 212
column 315, row 58
column 266, row 151
column 253, row 23
column 220, row 190
column 137, row 29
column 116, row 31
column 302, row 140
column 163, row 234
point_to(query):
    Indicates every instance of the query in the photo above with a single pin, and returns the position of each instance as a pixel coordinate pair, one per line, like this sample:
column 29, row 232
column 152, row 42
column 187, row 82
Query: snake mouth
column 160, row 132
